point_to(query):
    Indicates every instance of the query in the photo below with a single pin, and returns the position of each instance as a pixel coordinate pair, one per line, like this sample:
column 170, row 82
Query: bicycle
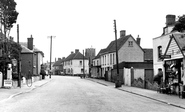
column 29, row 79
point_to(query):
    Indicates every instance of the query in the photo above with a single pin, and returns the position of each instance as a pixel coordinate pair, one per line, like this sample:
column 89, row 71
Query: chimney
column 63, row 57
column 138, row 40
column 72, row 52
column 30, row 43
column 59, row 59
column 76, row 50
column 170, row 20
column 122, row 33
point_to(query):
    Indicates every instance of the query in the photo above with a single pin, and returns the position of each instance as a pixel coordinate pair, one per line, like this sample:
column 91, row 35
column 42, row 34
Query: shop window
column 159, row 52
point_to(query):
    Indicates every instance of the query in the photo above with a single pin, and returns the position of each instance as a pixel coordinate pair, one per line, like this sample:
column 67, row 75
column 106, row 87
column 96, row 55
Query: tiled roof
column 76, row 55
column 58, row 63
column 100, row 52
column 112, row 46
column 25, row 50
column 34, row 48
column 148, row 54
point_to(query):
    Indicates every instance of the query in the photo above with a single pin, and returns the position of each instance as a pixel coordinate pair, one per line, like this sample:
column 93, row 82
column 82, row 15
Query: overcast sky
column 80, row 24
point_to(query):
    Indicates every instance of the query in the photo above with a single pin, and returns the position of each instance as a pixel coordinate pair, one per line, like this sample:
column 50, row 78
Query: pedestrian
column 159, row 77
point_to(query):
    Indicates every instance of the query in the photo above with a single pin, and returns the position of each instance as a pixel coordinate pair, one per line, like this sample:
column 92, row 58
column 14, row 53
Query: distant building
column 90, row 53
column 73, row 64
column 59, row 66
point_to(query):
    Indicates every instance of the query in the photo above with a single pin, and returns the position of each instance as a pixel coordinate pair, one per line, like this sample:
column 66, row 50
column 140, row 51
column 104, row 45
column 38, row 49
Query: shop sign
column 8, row 83
column 165, row 56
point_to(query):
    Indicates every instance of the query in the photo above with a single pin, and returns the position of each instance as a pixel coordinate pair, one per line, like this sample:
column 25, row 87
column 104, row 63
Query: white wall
column 130, row 54
column 159, row 41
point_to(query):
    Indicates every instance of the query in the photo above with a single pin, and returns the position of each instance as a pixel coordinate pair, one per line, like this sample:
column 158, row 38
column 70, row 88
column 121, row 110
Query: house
column 59, row 66
column 160, row 43
column 130, row 56
column 76, row 63
column 31, row 58
column 128, row 51
column 96, row 71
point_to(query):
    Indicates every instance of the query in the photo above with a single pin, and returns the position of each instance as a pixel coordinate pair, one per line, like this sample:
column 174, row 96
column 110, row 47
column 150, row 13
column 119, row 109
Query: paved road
column 72, row 94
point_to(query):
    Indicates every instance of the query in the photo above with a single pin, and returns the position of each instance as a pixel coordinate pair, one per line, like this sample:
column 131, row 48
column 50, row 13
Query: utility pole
column 117, row 82
column 18, row 61
column 51, row 37
column 83, row 65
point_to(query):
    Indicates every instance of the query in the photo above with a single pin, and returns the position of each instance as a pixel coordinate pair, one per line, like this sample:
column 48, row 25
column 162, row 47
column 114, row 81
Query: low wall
column 23, row 81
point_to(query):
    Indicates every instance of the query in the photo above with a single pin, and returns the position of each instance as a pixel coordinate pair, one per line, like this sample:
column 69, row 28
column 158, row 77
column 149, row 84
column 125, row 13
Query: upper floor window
column 110, row 59
column 80, row 63
column 159, row 51
column 130, row 43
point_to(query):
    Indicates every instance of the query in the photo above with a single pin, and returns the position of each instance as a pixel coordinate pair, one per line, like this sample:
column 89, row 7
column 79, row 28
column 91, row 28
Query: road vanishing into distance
column 73, row 94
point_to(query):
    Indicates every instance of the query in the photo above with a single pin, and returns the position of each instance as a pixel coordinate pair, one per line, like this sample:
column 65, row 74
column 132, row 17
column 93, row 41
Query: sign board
column 165, row 56
column 8, row 83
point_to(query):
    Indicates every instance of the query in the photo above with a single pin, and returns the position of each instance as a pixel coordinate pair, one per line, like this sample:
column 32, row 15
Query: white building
column 75, row 63
column 160, row 43
column 129, row 50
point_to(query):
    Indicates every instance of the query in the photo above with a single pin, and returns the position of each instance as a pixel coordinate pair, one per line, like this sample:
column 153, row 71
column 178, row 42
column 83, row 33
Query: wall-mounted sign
column 165, row 56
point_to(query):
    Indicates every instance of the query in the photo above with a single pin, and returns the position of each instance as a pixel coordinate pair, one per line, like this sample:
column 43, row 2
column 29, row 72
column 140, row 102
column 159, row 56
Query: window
column 80, row 63
column 110, row 59
column 159, row 51
column 113, row 59
column 130, row 43
column 71, row 62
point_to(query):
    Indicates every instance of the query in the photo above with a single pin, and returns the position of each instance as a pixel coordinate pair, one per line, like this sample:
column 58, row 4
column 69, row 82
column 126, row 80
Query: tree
column 180, row 24
column 8, row 14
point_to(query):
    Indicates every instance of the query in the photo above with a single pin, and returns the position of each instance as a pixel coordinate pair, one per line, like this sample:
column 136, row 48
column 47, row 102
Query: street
column 73, row 94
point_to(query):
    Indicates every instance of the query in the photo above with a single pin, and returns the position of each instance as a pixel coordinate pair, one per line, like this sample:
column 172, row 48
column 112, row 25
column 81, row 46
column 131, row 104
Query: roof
column 58, row 63
column 112, row 46
column 148, row 54
column 76, row 55
column 26, row 50
column 100, row 52
column 34, row 48
column 180, row 38
column 180, row 41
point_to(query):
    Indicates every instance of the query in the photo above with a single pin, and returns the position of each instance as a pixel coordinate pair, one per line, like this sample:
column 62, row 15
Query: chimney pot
column 170, row 19
column 76, row 50
column 72, row 52
column 30, row 43
column 138, row 40
column 122, row 33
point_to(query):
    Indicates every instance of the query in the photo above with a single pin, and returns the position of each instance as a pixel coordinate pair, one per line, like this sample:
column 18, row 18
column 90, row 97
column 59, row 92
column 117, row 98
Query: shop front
column 174, row 77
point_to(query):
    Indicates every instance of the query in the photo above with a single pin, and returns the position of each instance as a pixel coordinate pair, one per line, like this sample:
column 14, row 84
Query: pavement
column 172, row 100
column 8, row 93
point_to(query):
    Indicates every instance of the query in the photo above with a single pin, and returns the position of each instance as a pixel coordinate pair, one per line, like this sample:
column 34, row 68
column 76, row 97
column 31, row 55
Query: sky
column 81, row 24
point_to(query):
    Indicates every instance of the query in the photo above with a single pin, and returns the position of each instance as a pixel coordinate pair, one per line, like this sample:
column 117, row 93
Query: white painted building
column 73, row 64
column 160, row 43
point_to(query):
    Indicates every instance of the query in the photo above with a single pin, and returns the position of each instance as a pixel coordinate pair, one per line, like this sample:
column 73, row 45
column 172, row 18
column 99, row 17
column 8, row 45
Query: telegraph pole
column 51, row 37
column 18, row 61
column 117, row 83
column 83, row 65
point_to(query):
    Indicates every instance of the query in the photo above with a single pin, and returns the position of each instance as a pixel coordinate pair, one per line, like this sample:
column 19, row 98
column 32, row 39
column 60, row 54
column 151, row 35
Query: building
column 129, row 50
column 168, row 52
column 31, row 58
column 160, row 43
column 59, row 66
column 90, row 53
column 76, row 64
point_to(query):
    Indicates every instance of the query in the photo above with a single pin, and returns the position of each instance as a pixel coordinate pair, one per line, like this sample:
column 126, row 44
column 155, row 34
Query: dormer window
column 130, row 43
